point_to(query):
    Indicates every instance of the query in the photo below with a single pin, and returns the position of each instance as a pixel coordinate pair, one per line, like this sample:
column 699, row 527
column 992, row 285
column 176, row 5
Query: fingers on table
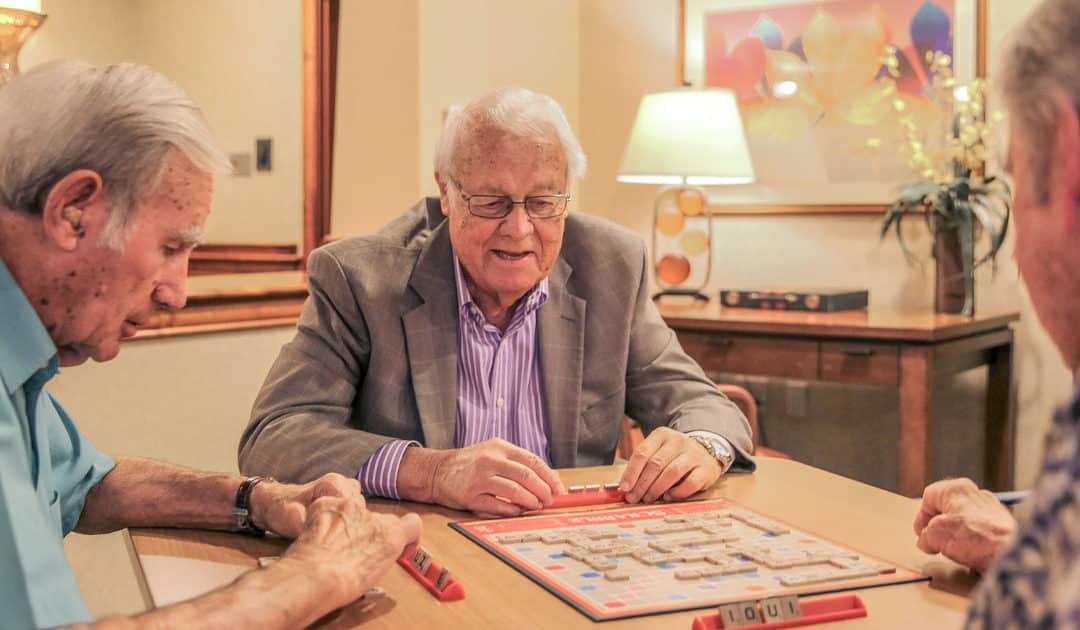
column 647, row 465
column 695, row 481
column 937, row 533
column 537, row 465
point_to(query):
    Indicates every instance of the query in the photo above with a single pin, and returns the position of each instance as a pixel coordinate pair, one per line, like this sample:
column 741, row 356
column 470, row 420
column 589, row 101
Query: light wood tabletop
column 178, row 564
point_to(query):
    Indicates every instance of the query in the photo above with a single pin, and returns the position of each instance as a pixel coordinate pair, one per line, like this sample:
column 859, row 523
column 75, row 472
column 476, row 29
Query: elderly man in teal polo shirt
column 105, row 184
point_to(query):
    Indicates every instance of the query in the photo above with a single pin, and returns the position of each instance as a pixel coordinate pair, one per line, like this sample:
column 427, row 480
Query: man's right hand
column 350, row 545
column 493, row 477
column 963, row 523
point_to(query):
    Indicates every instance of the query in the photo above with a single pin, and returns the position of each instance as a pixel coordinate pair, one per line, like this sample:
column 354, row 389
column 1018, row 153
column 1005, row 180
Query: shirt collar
column 25, row 346
column 531, row 301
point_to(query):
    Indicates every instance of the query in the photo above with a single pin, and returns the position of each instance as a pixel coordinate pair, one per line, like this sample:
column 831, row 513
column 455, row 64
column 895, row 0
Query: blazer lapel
column 561, row 339
column 431, row 331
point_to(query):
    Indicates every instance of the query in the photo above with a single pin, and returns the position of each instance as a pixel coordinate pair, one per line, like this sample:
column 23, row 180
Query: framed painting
column 820, row 83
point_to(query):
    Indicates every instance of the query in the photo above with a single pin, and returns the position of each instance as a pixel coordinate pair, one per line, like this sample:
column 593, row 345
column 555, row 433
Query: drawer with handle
column 751, row 354
column 857, row 362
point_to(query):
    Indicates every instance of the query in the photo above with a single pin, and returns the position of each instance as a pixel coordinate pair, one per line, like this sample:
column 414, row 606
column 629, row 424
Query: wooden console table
column 875, row 347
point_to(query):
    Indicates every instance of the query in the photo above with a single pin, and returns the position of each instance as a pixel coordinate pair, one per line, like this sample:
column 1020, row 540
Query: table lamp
column 686, row 139
column 18, row 20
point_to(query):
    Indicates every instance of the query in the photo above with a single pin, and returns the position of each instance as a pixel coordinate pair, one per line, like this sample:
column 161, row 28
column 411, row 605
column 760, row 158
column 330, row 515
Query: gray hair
column 520, row 112
column 1043, row 55
column 121, row 121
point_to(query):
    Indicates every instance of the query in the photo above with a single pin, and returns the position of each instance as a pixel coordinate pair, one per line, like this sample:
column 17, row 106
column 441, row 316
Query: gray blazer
column 375, row 354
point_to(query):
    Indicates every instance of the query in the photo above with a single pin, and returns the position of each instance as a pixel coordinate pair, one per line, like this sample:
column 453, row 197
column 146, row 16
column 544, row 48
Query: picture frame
column 813, row 163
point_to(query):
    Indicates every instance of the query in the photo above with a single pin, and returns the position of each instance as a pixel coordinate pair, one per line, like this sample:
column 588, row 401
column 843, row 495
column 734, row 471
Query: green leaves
column 961, row 203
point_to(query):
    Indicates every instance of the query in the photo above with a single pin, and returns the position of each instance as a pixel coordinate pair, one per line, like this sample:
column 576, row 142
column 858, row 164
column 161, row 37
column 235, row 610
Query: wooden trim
column 981, row 18
column 680, row 41
column 218, row 258
column 320, row 20
column 756, row 210
column 239, row 309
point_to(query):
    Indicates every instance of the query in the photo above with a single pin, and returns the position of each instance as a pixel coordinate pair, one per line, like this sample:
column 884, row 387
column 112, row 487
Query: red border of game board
column 638, row 513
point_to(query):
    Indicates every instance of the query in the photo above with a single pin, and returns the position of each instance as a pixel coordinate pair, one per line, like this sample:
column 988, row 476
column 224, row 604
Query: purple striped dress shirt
column 498, row 379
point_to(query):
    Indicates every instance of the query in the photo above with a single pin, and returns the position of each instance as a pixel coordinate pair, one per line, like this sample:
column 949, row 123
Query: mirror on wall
column 256, row 69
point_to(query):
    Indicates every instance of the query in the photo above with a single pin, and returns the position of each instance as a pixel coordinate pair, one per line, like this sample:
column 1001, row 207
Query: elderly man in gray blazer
column 484, row 337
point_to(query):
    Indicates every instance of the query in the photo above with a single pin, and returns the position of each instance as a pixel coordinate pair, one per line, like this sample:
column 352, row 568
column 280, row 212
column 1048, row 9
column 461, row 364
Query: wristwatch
column 718, row 449
column 242, row 508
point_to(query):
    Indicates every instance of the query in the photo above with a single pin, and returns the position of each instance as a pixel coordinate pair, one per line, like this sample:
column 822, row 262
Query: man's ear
column 65, row 213
column 444, row 197
column 1065, row 165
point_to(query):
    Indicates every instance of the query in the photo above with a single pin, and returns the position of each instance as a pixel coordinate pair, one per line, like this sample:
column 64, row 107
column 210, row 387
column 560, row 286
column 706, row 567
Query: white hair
column 1043, row 55
column 521, row 113
column 120, row 121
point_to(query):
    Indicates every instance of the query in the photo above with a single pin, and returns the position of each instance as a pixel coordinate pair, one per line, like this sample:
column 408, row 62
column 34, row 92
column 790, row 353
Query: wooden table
column 177, row 564
column 906, row 351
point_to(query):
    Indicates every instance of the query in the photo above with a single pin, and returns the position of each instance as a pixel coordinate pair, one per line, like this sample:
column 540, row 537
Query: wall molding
column 236, row 309
column 219, row 258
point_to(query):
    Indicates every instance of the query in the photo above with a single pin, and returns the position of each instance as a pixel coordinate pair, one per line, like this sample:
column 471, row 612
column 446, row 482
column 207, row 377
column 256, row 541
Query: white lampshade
column 23, row 5
column 687, row 136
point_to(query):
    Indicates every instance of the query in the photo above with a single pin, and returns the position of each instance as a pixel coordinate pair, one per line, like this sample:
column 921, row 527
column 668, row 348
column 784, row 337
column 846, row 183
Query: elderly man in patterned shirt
column 1032, row 568
column 489, row 335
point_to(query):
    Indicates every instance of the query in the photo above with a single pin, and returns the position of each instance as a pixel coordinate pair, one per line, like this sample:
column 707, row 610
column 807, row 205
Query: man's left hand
column 668, row 465
column 283, row 508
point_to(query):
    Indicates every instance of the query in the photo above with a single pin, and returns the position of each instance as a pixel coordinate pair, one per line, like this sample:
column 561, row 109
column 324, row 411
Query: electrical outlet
column 264, row 158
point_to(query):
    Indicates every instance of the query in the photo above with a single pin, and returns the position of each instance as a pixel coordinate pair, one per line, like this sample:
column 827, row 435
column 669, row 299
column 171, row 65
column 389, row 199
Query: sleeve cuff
column 378, row 476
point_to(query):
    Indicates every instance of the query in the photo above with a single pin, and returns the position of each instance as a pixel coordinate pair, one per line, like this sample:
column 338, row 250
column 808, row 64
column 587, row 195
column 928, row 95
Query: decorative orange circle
column 669, row 222
column 691, row 202
column 673, row 269
column 694, row 243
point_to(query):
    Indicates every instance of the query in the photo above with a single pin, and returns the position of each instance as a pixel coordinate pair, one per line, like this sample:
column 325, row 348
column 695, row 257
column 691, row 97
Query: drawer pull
column 859, row 352
column 720, row 342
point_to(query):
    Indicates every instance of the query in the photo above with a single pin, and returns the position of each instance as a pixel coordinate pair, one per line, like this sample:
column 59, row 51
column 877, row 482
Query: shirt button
column 499, row 402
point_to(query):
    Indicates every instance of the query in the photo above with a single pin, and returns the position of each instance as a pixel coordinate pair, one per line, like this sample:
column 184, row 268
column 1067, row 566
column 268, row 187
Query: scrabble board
column 626, row 562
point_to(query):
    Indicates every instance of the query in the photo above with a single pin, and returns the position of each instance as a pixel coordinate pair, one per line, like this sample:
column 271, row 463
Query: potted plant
column 955, row 197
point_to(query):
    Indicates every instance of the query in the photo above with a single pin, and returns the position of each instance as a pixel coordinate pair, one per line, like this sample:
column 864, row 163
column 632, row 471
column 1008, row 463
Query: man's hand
column 493, row 477
column 349, row 545
column 963, row 523
column 283, row 508
column 668, row 464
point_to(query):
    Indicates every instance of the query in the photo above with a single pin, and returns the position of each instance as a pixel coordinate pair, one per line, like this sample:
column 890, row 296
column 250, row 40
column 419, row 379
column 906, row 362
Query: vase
column 952, row 287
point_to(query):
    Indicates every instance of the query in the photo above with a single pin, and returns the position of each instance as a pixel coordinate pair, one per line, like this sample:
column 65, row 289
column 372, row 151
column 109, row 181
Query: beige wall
column 470, row 46
column 403, row 63
column 377, row 144
column 65, row 34
column 245, row 74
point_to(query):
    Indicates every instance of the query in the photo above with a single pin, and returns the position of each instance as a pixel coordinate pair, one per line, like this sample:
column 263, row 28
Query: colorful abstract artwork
column 820, row 83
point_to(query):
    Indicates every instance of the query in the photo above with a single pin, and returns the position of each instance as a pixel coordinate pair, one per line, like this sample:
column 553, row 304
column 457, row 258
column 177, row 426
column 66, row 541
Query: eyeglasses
column 499, row 206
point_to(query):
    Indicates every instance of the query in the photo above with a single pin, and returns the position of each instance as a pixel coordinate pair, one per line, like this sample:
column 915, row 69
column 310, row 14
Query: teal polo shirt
column 46, row 469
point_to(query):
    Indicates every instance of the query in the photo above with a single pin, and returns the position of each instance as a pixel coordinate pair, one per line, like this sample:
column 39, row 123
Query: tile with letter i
column 782, row 612
column 437, row 579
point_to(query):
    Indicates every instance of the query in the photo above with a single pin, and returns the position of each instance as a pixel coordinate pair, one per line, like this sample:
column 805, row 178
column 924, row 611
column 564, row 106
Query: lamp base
column 694, row 293
column 16, row 26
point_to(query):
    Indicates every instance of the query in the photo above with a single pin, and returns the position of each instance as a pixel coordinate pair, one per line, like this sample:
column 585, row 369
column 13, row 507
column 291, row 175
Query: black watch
column 242, row 509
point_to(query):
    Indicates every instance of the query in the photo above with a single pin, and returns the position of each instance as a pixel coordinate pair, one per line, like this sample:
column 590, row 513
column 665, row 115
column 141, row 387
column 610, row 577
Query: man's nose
column 171, row 293
column 517, row 224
